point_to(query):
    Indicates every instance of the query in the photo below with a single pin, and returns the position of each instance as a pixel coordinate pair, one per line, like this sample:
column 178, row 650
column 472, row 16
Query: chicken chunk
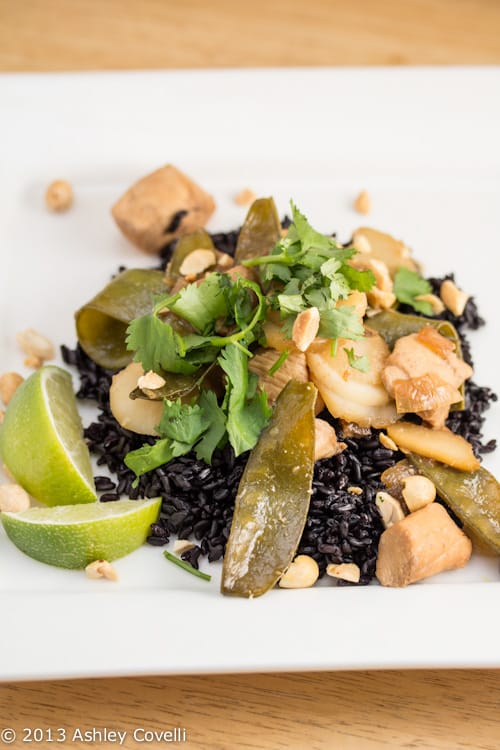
column 421, row 545
column 434, row 371
column 160, row 207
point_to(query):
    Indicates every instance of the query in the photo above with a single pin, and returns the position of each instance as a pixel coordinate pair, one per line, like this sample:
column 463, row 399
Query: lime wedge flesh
column 41, row 440
column 72, row 536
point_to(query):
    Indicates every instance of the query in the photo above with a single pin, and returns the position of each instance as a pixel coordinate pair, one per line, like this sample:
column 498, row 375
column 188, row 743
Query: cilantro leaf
column 360, row 363
column 182, row 423
column 291, row 303
column 157, row 345
column 342, row 322
column 216, row 429
column 363, row 281
column 202, row 304
column 245, row 418
column 304, row 232
column 408, row 285
column 149, row 457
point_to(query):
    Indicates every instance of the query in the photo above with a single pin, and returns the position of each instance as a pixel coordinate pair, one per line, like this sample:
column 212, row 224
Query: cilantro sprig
column 408, row 285
column 310, row 269
column 163, row 342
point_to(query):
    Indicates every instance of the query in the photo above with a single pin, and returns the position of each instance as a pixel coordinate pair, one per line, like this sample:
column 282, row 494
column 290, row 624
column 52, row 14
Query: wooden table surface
column 344, row 711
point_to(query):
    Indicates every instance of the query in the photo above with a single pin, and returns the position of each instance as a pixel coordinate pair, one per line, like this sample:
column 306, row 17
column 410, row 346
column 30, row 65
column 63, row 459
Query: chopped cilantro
column 281, row 359
column 317, row 275
column 408, row 285
column 186, row 566
column 360, row 363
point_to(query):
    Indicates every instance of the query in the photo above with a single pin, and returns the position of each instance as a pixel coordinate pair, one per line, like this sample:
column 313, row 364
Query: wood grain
column 446, row 710
column 118, row 34
column 345, row 711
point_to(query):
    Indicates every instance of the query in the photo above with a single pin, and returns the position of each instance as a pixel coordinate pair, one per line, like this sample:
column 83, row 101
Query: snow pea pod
column 392, row 325
column 186, row 244
column 101, row 324
column 474, row 496
column 260, row 232
column 273, row 497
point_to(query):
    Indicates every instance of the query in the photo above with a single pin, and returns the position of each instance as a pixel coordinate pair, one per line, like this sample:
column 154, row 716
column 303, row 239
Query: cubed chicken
column 423, row 374
column 161, row 207
column 421, row 545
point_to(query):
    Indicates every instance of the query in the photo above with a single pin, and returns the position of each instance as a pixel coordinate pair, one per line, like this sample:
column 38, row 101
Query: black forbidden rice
column 198, row 500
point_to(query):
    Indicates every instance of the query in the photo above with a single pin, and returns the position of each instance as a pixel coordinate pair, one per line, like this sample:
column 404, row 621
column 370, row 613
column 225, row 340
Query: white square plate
column 424, row 142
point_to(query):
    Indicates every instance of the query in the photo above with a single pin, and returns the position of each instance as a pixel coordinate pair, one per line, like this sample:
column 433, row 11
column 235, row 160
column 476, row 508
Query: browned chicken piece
column 423, row 373
column 326, row 444
column 160, row 207
column 421, row 545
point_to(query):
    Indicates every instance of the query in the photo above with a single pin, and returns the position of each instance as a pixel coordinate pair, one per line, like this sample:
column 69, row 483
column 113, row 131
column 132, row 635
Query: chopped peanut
column 453, row 297
column 13, row 498
column 151, row 381
column 363, row 203
column 345, row 571
column 389, row 508
column 34, row 362
column 183, row 545
column 387, row 442
column 418, row 492
column 9, row 383
column 245, row 197
column 361, row 243
column 101, row 569
column 59, row 196
column 355, row 490
column 423, row 544
column 301, row 574
column 35, row 344
column 197, row 261
column 434, row 302
column 305, row 328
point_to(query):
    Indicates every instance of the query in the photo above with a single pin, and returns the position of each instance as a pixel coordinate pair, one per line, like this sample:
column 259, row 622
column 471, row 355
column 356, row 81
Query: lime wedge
column 41, row 440
column 72, row 536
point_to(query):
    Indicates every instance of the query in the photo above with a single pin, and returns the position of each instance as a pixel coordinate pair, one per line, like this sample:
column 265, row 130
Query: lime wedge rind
column 72, row 536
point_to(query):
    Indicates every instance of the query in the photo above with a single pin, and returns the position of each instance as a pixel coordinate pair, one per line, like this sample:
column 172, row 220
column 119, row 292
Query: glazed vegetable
column 351, row 392
column 442, row 445
column 273, row 497
column 138, row 416
column 473, row 496
column 101, row 324
column 394, row 253
column 260, row 231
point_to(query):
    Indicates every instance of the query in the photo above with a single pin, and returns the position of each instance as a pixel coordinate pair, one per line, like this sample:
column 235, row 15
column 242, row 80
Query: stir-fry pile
column 286, row 350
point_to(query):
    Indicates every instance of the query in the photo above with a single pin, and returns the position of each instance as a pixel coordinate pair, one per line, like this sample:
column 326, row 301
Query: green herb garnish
column 186, row 566
column 360, row 362
column 311, row 270
column 408, row 285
